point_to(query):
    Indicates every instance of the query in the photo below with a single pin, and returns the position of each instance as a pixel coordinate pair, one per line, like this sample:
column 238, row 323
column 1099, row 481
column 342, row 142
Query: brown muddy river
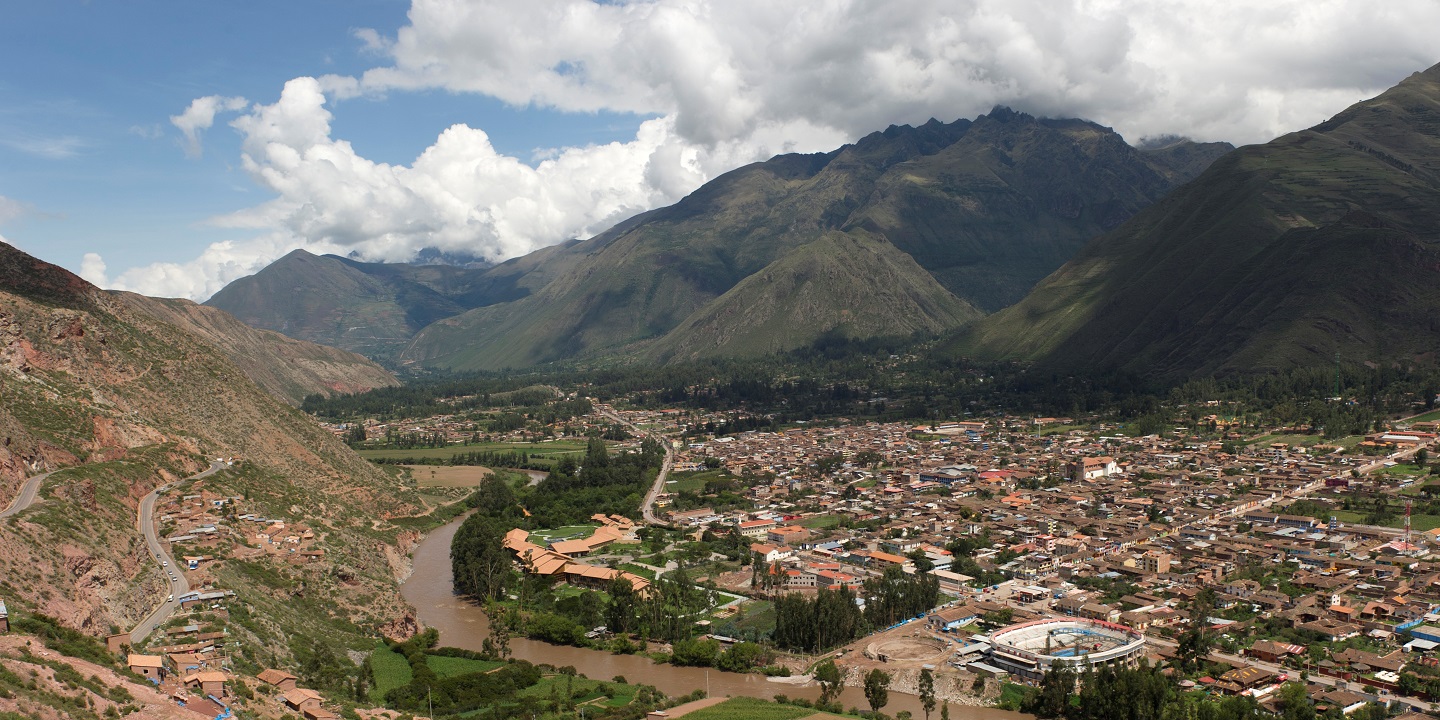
column 463, row 625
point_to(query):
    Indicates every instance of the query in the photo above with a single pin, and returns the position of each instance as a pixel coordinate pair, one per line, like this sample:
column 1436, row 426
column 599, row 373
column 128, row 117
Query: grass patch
column 390, row 670
column 1431, row 416
column 1012, row 695
column 746, row 708
column 819, row 522
column 568, row 532
column 1402, row 469
column 758, row 615
column 595, row 692
column 693, row 481
column 644, row 572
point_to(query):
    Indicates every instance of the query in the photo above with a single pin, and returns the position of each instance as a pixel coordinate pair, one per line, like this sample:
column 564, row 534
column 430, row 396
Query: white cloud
column 740, row 80
column 200, row 116
column 12, row 209
column 1232, row 70
column 92, row 269
column 50, row 148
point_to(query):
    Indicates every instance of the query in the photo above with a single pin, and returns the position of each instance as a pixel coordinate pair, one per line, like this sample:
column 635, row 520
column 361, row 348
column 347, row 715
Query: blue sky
column 377, row 128
column 88, row 89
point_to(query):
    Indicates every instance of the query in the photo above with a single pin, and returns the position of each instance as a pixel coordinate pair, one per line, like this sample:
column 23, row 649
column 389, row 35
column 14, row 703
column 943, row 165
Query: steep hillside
column 369, row 308
column 289, row 369
column 1283, row 254
column 118, row 401
column 987, row 208
column 791, row 302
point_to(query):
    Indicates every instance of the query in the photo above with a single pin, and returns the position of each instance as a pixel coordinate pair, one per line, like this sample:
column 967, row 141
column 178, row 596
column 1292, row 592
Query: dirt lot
column 446, row 476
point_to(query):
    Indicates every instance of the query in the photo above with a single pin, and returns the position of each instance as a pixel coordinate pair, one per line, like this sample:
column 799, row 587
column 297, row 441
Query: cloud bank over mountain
column 719, row 84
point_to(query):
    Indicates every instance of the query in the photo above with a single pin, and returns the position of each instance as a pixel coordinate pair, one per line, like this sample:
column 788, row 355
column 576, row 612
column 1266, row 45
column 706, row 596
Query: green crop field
column 390, row 669
column 452, row 666
column 746, row 708
column 541, row 450
column 692, row 481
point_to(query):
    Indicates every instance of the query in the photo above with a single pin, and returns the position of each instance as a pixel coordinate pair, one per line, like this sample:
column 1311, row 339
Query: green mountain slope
column 812, row 291
column 1282, row 254
column 369, row 308
column 988, row 208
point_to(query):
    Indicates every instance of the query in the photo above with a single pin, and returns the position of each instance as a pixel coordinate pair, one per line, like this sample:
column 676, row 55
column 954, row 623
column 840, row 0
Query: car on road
column 164, row 563
column 170, row 598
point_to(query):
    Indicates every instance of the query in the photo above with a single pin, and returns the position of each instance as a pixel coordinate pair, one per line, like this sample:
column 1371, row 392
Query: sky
column 172, row 147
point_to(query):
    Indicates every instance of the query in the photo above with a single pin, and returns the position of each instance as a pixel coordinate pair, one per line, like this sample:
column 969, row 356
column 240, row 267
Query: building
column 1031, row 649
column 279, row 679
column 4, row 618
column 1154, row 562
column 210, row 682
column 302, row 699
column 756, row 528
column 148, row 666
column 1093, row 468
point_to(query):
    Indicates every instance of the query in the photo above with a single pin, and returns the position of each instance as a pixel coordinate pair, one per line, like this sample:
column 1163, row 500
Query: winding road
column 26, row 498
column 145, row 522
column 647, row 508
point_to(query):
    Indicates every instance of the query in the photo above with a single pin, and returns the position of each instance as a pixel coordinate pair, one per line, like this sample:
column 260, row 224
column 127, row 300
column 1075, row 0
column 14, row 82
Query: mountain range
column 910, row 230
column 1321, row 243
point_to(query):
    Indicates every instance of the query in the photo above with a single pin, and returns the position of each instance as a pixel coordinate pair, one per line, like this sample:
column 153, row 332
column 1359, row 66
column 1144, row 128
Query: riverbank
column 464, row 625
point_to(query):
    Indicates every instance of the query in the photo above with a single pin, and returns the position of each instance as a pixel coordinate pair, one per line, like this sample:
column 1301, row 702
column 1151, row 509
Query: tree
column 830, row 681
column 1054, row 696
column 877, row 689
column 478, row 558
column 945, row 711
column 927, row 691
column 1294, row 703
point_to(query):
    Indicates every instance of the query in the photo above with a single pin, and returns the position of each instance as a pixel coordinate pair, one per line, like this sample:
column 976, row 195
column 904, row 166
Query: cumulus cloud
column 736, row 81
column 200, row 116
column 1230, row 70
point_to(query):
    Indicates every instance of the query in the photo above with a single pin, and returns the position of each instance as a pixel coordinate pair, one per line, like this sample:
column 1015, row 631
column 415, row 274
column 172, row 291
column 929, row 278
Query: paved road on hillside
column 28, row 491
column 179, row 585
column 647, row 508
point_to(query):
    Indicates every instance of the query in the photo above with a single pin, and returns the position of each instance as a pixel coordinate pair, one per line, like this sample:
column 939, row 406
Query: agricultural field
column 746, row 708
column 597, row 692
column 550, row 450
column 390, row 669
column 447, row 476
column 451, row 666
column 819, row 522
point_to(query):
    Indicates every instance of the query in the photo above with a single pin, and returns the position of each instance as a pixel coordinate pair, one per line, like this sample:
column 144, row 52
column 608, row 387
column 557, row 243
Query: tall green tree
column 877, row 689
column 927, row 691
column 481, row 565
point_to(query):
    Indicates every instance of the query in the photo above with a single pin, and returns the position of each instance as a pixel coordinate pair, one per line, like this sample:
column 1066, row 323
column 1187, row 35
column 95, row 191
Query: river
column 463, row 625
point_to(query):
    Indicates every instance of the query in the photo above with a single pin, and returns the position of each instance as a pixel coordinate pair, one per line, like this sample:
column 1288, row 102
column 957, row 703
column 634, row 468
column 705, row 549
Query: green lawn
column 391, row 670
column 644, row 572
column 747, row 708
column 1427, row 417
column 820, row 521
column 569, row 532
column 452, row 666
column 692, row 481
column 1402, row 469
column 1419, row 523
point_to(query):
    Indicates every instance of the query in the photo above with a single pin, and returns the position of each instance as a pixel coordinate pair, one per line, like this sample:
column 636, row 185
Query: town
column 1055, row 542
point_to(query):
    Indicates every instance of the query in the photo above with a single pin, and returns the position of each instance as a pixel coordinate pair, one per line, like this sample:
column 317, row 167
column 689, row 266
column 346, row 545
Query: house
column 148, row 666
column 769, row 553
column 279, row 679
column 1272, row 651
column 1243, row 679
column 210, row 682
column 302, row 699
column 4, row 618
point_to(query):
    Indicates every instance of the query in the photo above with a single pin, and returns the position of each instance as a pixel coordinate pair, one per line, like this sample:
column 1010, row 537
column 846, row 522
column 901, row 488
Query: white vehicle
column 164, row 563
column 171, row 598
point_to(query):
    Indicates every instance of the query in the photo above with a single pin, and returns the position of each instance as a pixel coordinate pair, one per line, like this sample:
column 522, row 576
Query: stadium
column 1029, row 650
